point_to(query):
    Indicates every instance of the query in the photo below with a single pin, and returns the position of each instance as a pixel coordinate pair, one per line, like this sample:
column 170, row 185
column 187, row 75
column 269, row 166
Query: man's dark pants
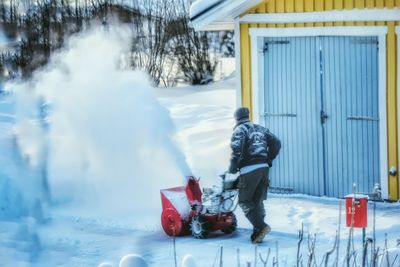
column 253, row 188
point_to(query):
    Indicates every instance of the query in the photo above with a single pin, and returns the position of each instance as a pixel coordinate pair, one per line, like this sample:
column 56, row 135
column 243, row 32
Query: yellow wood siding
column 245, row 64
column 391, row 108
column 299, row 7
column 288, row 6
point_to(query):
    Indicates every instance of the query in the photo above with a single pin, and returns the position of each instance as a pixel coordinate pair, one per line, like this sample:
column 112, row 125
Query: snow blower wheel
column 172, row 222
column 200, row 227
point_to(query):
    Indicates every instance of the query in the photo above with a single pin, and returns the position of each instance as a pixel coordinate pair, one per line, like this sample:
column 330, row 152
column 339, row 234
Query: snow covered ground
column 203, row 118
column 123, row 214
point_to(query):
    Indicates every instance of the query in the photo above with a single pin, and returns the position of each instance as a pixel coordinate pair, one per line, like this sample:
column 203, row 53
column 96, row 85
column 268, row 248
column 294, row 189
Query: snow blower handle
column 228, row 183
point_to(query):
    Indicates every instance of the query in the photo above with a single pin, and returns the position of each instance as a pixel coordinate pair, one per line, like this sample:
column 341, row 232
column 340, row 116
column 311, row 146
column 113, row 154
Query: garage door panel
column 291, row 101
column 351, row 97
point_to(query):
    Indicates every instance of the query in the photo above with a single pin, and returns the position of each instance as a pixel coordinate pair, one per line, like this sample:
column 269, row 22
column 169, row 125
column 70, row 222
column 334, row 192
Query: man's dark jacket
column 252, row 144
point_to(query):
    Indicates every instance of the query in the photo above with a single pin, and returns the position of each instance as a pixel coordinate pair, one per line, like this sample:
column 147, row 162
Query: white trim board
column 238, row 69
column 257, row 35
column 214, row 26
column 317, row 31
column 398, row 99
column 325, row 16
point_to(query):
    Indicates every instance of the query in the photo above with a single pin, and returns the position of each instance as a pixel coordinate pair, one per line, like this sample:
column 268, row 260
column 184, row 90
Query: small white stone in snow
column 132, row 260
column 189, row 261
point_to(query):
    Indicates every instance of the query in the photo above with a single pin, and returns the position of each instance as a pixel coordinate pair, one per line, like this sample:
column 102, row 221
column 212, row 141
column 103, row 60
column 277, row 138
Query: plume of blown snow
column 110, row 143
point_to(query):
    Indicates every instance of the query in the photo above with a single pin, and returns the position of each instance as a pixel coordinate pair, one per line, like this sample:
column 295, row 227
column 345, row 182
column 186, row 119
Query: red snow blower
column 187, row 210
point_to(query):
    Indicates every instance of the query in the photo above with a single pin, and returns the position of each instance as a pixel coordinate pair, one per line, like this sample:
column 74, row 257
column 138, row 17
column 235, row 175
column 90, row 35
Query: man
column 253, row 150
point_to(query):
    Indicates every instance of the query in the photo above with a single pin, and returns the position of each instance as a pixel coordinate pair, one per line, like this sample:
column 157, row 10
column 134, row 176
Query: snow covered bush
column 166, row 48
column 191, row 48
column 390, row 258
column 189, row 261
column 150, row 50
column 132, row 260
column 194, row 59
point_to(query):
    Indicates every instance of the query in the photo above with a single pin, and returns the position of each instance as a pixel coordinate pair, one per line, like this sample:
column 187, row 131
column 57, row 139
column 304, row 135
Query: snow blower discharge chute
column 186, row 209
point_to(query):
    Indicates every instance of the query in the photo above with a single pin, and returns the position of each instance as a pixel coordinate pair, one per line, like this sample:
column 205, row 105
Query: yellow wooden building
column 322, row 75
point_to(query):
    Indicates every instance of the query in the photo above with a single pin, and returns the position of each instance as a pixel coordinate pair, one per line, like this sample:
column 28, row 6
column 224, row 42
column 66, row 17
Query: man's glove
column 232, row 169
column 230, row 181
column 269, row 162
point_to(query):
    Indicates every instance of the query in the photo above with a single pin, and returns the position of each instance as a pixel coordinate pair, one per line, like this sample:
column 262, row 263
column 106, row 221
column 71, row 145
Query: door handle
column 324, row 117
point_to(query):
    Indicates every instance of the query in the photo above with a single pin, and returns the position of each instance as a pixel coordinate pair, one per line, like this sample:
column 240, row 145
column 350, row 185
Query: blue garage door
column 321, row 99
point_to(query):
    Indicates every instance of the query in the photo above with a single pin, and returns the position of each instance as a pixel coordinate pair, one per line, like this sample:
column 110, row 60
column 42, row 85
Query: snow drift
column 189, row 261
column 110, row 144
column 132, row 260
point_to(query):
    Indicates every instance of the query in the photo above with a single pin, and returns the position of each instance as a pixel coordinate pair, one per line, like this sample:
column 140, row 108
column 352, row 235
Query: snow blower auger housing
column 187, row 210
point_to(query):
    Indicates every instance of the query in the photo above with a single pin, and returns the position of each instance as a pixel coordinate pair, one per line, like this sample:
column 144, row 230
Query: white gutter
column 325, row 16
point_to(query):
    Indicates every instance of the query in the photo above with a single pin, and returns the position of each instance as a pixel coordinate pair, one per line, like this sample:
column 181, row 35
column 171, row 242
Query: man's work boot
column 253, row 235
column 259, row 236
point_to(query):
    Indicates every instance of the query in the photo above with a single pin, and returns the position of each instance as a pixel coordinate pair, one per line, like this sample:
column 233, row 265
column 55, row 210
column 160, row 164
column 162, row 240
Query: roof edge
column 221, row 14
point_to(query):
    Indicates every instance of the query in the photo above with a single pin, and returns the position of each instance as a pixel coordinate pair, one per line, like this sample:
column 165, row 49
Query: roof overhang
column 217, row 15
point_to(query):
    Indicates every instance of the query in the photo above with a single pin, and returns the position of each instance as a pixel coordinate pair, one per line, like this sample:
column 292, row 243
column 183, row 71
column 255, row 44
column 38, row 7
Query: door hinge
column 280, row 42
column 265, row 48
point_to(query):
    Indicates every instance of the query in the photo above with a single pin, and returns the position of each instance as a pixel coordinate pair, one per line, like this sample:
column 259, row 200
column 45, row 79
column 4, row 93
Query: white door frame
column 238, row 70
column 366, row 14
column 257, row 35
column 398, row 99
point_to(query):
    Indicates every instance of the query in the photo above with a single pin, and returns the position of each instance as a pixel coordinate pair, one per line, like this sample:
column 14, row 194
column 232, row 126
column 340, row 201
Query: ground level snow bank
column 77, row 241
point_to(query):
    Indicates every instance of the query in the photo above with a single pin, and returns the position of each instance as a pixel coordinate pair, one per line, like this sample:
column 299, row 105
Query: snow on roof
column 206, row 15
column 202, row 5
